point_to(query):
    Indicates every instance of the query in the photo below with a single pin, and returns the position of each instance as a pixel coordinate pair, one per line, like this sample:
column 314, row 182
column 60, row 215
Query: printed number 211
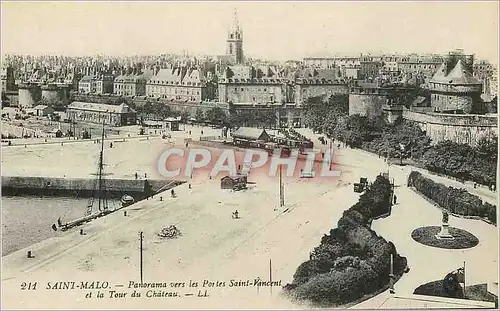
column 28, row 286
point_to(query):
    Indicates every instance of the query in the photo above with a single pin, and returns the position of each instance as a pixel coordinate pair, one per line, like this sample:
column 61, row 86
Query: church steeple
column 235, row 40
column 236, row 23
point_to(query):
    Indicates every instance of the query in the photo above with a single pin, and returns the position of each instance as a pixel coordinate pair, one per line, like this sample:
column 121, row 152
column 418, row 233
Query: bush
column 457, row 201
column 462, row 161
column 352, row 260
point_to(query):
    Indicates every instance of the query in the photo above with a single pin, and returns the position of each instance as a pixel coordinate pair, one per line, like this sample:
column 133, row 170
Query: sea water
column 28, row 220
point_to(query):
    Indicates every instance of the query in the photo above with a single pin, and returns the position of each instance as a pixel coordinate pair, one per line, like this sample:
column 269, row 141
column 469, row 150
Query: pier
column 83, row 187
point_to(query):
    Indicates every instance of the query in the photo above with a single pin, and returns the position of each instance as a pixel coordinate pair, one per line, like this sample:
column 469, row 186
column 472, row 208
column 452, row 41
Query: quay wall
column 82, row 187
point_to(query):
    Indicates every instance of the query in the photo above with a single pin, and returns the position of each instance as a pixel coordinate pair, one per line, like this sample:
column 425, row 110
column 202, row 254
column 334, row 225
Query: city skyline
column 271, row 30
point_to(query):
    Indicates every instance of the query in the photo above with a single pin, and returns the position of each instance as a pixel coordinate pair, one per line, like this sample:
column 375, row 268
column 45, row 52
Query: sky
column 271, row 30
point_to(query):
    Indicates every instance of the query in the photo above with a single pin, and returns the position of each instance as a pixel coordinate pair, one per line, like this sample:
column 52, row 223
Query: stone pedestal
column 445, row 232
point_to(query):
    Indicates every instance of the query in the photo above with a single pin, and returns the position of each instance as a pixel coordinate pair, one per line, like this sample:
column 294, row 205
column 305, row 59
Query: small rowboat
column 127, row 200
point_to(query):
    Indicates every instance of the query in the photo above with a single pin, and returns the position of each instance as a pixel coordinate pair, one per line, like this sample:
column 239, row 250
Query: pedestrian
column 189, row 132
column 145, row 175
column 136, row 175
column 186, row 145
column 189, row 186
column 395, row 199
column 201, row 132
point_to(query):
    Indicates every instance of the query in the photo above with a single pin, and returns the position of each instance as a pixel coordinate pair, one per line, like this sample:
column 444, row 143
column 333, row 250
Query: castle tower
column 235, row 41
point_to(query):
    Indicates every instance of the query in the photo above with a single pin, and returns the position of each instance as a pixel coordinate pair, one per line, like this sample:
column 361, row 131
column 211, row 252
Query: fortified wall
column 55, row 94
column 29, row 95
column 464, row 128
column 304, row 91
column 367, row 105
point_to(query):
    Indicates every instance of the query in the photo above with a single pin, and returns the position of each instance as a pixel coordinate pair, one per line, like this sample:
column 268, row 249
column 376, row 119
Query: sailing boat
column 100, row 194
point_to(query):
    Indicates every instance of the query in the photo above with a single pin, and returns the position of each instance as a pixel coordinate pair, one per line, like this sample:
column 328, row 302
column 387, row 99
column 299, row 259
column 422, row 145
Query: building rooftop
column 458, row 75
column 249, row 133
column 123, row 108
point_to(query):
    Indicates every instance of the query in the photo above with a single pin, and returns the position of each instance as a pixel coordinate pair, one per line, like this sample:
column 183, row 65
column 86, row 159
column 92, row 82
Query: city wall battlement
column 82, row 187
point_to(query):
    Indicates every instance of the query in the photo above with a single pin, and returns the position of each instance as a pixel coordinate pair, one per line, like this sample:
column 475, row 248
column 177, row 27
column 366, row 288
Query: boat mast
column 101, row 181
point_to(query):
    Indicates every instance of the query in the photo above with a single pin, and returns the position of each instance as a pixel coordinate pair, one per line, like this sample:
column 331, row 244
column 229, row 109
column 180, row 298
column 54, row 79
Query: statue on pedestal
column 445, row 217
column 445, row 232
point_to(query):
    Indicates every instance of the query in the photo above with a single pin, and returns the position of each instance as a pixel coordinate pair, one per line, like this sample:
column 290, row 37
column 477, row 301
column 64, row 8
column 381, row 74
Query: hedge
column 352, row 260
column 456, row 201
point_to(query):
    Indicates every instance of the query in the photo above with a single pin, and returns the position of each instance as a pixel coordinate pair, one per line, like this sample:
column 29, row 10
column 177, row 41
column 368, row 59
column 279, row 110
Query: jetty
column 83, row 187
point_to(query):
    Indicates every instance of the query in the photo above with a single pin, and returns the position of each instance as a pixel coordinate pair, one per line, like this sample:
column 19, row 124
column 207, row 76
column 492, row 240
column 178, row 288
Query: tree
column 147, row 108
column 199, row 115
column 216, row 115
column 487, row 148
column 162, row 110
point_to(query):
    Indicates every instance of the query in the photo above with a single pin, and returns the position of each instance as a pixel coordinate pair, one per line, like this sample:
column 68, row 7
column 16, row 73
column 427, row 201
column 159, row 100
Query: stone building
column 241, row 84
column 485, row 72
column 424, row 64
column 180, row 84
column 455, row 92
column 131, row 84
column 331, row 62
column 318, row 82
column 104, row 84
column 113, row 115
column 369, row 68
column 87, row 84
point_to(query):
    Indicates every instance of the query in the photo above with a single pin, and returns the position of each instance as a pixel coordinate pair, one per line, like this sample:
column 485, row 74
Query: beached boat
column 127, row 200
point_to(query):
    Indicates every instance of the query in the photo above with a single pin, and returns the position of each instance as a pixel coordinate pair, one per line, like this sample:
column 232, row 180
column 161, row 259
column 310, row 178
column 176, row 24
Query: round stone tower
column 29, row 95
column 457, row 91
